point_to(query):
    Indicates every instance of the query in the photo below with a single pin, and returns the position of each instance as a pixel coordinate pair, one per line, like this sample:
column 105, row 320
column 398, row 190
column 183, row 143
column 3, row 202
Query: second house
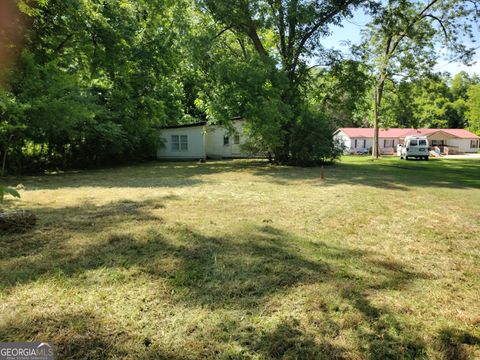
column 200, row 140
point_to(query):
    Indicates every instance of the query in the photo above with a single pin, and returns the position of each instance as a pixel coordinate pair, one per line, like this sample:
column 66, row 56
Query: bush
column 312, row 141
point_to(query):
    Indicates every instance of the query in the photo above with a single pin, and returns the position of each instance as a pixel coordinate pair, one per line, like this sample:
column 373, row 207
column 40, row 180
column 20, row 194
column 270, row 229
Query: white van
column 414, row 147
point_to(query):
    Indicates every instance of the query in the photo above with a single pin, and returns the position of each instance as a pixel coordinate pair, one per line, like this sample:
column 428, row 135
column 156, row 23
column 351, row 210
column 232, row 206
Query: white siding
column 215, row 146
column 463, row 145
column 349, row 143
column 360, row 144
column 353, row 145
column 196, row 143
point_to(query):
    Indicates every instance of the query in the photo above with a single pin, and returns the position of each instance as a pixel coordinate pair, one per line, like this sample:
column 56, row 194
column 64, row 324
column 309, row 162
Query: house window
column 356, row 142
column 388, row 143
column 474, row 144
column 179, row 143
column 236, row 139
column 365, row 143
column 183, row 143
column 438, row 142
column 175, row 143
column 226, row 140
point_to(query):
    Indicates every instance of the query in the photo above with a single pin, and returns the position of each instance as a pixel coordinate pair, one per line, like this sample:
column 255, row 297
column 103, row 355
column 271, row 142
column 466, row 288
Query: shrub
column 312, row 140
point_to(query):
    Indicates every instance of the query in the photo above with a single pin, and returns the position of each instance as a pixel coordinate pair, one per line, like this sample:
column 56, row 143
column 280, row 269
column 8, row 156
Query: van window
column 422, row 142
column 413, row 143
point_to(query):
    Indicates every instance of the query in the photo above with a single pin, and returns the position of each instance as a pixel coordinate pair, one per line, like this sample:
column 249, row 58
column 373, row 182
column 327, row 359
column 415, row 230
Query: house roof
column 401, row 133
column 200, row 123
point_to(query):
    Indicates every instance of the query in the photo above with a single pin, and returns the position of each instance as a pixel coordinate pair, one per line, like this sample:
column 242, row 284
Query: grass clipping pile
column 17, row 221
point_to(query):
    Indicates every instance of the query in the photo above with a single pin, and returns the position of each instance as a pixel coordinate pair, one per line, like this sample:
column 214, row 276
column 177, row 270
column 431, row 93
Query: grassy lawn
column 241, row 260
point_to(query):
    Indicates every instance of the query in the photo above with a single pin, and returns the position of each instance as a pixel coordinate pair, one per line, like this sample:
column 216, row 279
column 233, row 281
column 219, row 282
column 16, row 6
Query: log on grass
column 18, row 220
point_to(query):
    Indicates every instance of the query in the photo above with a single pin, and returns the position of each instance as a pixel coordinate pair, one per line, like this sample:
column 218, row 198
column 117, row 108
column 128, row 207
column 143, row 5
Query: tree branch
column 440, row 22
column 62, row 44
column 253, row 35
column 292, row 24
column 420, row 16
column 314, row 29
column 222, row 31
column 242, row 46
column 278, row 12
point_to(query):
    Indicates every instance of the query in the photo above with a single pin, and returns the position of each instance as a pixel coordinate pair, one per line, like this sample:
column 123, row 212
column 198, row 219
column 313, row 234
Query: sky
column 351, row 32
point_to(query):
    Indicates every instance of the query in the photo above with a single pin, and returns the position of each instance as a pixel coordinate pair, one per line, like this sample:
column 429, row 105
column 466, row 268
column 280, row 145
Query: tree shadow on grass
column 390, row 176
column 242, row 271
column 453, row 343
column 83, row 335
column 149, row 175
column 393, row 175
column 386, row 337
column 288, row 341
column 86, row 218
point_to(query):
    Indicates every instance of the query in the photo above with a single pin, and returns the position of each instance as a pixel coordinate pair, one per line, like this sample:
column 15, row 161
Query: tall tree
column 94, row 80
column 403, row 40
column 340, row 92
column 284, row 34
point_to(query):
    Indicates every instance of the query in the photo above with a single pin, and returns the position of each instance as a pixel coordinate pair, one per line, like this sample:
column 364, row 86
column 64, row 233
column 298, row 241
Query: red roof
column 401, row 133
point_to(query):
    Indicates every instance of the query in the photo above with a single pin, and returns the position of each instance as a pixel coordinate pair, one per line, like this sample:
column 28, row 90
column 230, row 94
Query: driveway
column 462, row 157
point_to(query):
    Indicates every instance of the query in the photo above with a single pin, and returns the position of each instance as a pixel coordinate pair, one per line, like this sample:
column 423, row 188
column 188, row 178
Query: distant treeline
column 90, row 82
column 433, row 101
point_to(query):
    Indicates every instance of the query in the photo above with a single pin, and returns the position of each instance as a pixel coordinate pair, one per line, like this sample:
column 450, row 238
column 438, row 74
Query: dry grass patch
column 241, row 260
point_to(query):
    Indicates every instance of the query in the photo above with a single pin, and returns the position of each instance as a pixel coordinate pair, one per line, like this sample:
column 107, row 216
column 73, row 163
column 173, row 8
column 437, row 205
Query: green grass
column 242, row 260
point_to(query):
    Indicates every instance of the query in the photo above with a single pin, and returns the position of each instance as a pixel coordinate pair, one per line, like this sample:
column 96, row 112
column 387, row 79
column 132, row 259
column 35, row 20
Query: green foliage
column 92, row 92
column 259, row 66
column 7, row 190
column 431, row 102
column 312, row 140
column 461, row 82
column 473, row 108
column 254, row 90
column 403, row 40
column 97, row 79
column 342, row 92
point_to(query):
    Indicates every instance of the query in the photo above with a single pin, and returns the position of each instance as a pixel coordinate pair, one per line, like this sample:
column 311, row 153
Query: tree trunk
column 252, row 34
column 65, row 157
column 4, row 159
column 375, row 149
column 376, row 115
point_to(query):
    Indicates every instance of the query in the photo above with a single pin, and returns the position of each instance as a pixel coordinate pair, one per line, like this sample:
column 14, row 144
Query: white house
column 200, row 140
column 448, row 140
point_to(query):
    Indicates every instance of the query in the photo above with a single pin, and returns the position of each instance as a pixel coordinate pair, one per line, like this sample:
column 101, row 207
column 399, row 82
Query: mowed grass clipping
column 242, row 260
